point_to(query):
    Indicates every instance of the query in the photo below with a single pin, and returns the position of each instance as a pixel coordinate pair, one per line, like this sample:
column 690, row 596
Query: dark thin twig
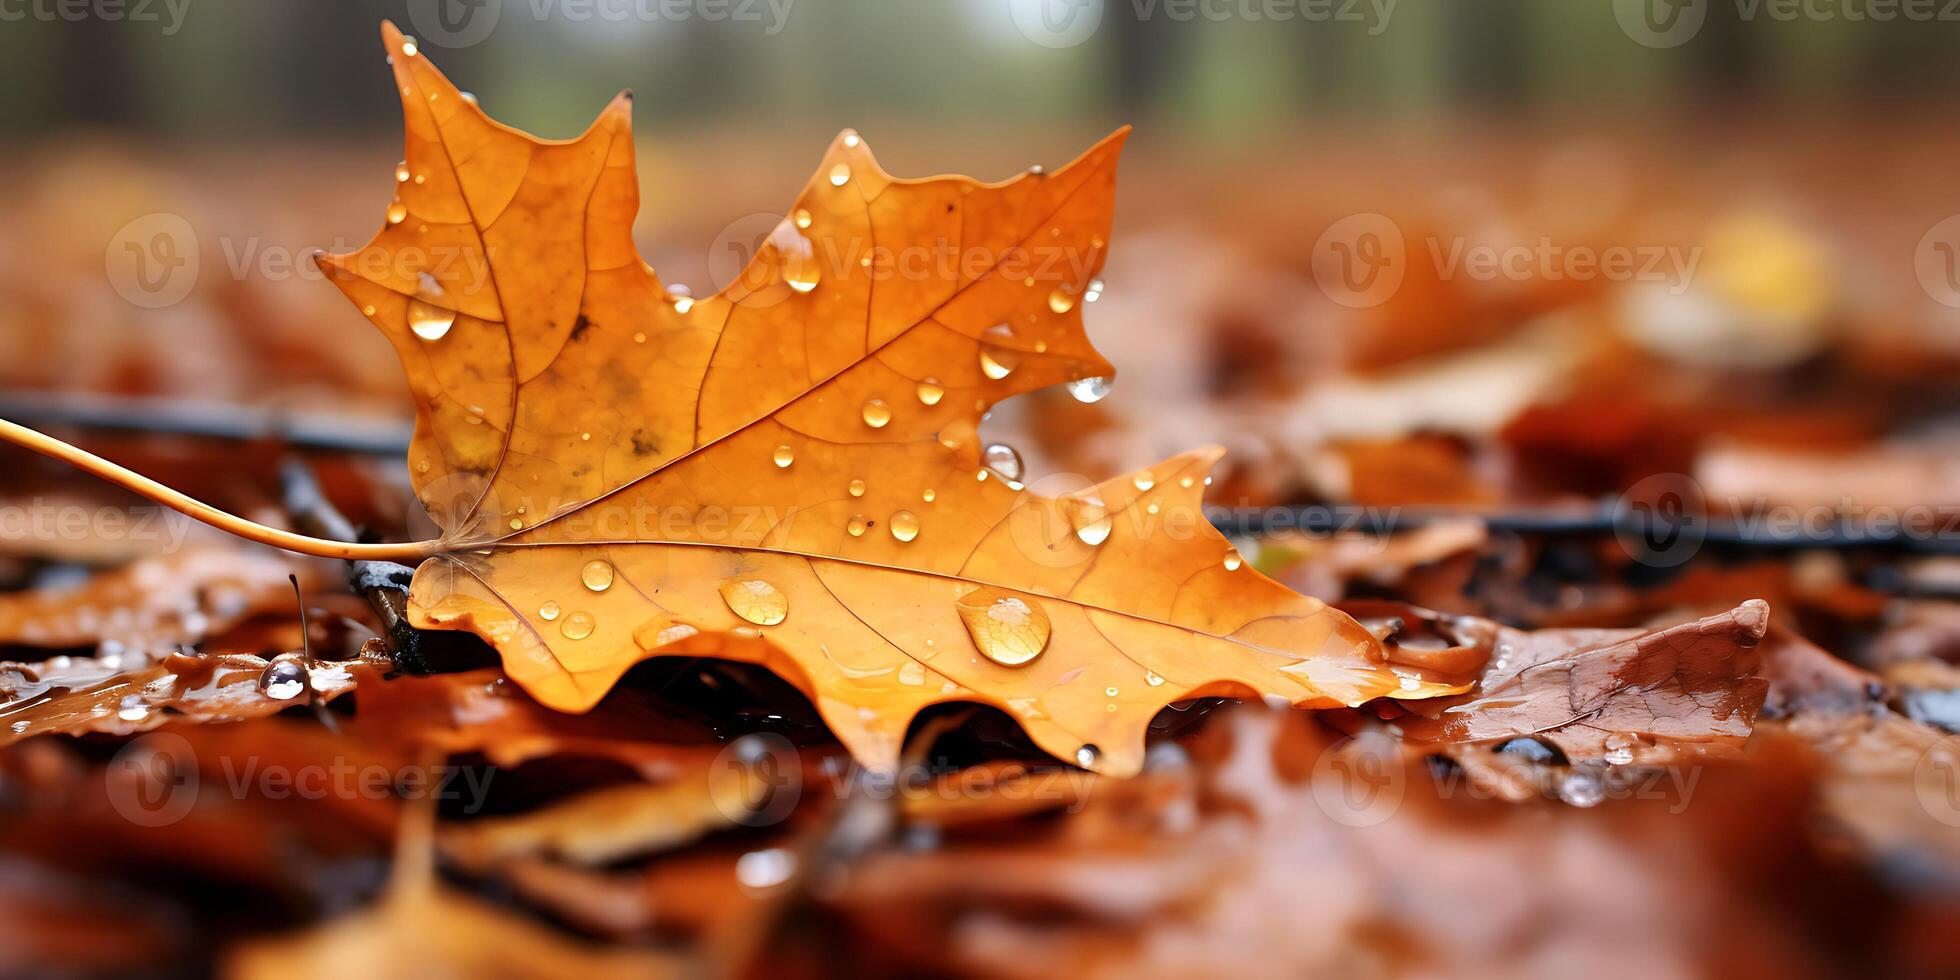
column 306, row 431
column 324, row 432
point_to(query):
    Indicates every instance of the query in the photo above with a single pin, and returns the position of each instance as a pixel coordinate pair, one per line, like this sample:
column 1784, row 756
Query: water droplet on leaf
column 877, row 413
column 1004, row 460
column 756, row 601
column 578, row 626
column 1089, row 390
column 1008, row 629
column 429, row 322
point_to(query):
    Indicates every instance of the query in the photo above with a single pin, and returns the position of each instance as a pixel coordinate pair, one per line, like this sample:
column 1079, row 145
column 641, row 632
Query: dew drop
column 840, row 175
column 422, row 466
column 913, row 674
column 516, row 524
column 857, row 526
column 784, row 456
column 857, row 488
column 801, row 275
column 877, row 413
column 1094, row 292
column 429, row 322
column 998, row 362
column 1089, row 390
column 1110, row 692
column 755, row 600
column 597, row 575
column 930, row 495
column 1006, row 628
column 904, row 525
column 283, row 680
column 765, row 869
column 133, row 708
column 1153, row 678
column 548, row 612
column 396, row 212
column 1143, row 481
column 578, row 626
column 930, row 391
column 1087, row 756
column 1091, row 520
column 1003, row 460
column 408, row 47
column 675, row 634
column 401, row 172
column 1233, row 561
column 1060, row 300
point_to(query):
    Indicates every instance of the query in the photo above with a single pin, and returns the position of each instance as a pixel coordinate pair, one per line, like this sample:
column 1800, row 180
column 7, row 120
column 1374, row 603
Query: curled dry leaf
column 152, row 603
column 1605, row 693
column 788, row 472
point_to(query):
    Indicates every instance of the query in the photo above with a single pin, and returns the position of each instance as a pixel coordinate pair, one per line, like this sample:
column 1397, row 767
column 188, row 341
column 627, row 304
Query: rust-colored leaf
column 789, row 472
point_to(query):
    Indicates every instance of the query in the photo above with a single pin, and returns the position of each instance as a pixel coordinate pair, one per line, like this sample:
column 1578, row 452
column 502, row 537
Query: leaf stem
column 46, row 445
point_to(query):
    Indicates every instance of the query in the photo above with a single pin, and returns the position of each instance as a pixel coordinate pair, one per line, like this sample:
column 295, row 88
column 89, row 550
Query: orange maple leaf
column 788, row 472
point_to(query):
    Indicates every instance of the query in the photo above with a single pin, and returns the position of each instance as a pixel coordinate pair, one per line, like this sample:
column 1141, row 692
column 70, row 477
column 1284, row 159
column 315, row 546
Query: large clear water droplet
column 1003, row 460
column 904, row 525
column 756, row 601
column 1089, row 390
column 283, row 680
column 578, row 626
column 783, row 456
column 397, row 212
column 877, row 413
column 930, row 391
column 857, row 525
column 857, row 488
column 597, row 575
column 428, row 322
column 1091, row 520
column 1061, row 300
column 549, row 611
column 1007, row 629
column 840, row 175
column 1088, row 755
column 401, row 172
column 998, row 362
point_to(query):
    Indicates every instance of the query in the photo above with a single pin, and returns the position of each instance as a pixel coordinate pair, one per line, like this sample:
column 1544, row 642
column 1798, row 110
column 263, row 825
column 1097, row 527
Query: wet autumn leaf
column 789, row 471
column 1608, row 694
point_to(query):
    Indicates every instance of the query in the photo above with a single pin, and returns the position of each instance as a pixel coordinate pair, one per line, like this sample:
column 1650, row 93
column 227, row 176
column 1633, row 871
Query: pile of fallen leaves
column 741, row 652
